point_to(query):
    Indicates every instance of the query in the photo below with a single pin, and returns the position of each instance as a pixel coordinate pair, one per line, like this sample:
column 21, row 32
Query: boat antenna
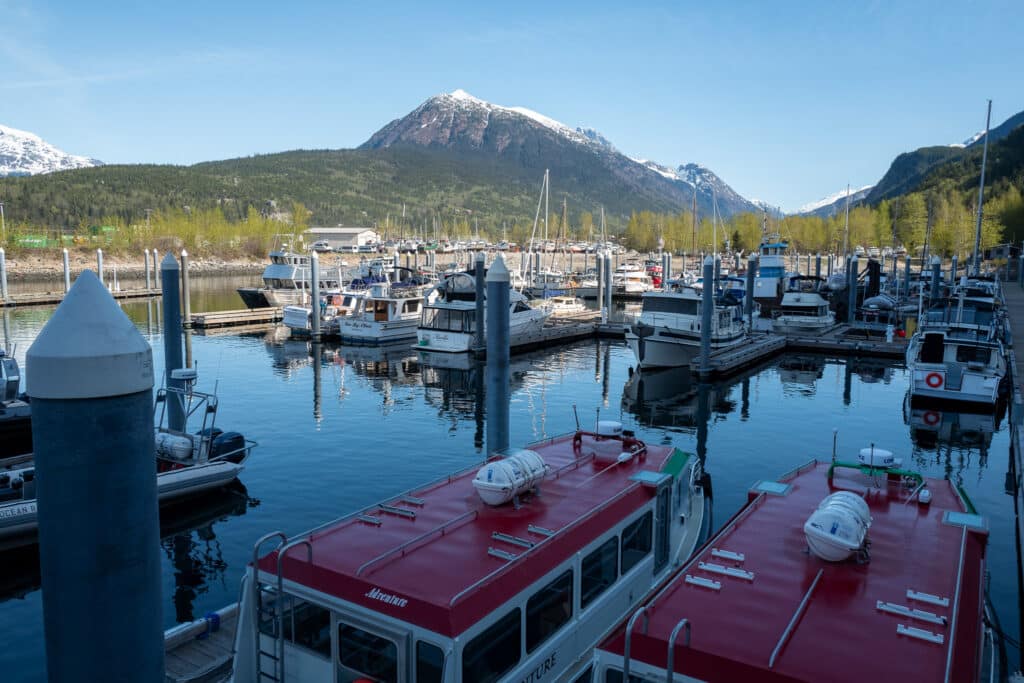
column 577, row 416
column 597, row 420
column 835, row 444
column 981, row 194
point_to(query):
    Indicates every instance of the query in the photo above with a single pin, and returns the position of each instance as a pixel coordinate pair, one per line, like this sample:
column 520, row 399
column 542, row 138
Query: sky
column 785, row 101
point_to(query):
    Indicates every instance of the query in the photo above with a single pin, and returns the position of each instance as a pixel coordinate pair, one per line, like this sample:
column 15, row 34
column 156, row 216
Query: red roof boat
column 757, row 604
column 471, row 578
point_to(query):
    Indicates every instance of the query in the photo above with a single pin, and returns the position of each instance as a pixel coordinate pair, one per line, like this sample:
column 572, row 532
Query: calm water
column 358, row 425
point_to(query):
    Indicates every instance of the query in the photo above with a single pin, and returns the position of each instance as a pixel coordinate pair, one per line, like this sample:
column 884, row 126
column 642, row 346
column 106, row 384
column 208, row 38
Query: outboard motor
column 10, row 377
column 228, row 442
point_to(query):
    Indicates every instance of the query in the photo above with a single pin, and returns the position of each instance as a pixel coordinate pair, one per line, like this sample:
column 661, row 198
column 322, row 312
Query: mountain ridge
column 25, row 153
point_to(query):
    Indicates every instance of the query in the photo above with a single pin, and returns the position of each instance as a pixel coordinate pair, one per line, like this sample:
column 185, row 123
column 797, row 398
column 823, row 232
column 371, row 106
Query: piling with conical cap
column 170, row 283
column 479, row 340
column 707, row 308
column 90, row 377
column 498, row 393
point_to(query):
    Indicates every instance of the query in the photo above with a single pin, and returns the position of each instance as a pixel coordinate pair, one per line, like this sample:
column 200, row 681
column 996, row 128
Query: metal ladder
column 272, row 612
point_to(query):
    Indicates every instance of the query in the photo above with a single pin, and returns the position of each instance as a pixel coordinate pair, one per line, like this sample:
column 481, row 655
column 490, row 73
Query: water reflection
column 801, row 372
column 188, row 539
column 958, row 440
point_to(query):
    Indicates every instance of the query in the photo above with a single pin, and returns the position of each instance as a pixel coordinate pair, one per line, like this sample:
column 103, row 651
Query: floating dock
column 246, row 316
column 50, row 298
column 201, row 651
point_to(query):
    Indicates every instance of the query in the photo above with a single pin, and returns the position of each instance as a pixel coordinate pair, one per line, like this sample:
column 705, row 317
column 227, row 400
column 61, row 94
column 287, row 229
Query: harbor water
column 340, row 428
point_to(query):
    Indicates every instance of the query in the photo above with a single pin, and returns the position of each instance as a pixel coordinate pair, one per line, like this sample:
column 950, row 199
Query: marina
column 328, row 391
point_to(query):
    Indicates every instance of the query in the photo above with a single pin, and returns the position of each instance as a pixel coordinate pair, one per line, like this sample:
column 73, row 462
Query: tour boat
column 836, row 572
column 803, row 310
column 668, row 334
column 186, row 462
column 286, row 282
column 506, row 572
column 448, row 323
column 15, row 412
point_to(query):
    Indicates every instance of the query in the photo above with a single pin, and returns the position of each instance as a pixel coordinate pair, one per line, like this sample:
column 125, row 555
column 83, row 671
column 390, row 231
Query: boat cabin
column 517, row 580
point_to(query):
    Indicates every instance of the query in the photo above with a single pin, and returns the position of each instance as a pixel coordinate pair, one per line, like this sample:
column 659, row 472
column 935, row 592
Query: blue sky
column 787, row 102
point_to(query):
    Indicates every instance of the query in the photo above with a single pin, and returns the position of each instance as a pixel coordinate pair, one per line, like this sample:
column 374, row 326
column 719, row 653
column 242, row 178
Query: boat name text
column 378, row 594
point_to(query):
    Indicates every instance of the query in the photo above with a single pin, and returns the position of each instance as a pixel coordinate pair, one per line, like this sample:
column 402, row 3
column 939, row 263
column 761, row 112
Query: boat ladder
column 271, row 612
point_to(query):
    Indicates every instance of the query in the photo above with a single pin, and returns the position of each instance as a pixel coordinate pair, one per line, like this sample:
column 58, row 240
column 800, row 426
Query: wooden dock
column 244, row 317
column 846, row 341
column 194, row 653
column 726, row 361
column 50, row 298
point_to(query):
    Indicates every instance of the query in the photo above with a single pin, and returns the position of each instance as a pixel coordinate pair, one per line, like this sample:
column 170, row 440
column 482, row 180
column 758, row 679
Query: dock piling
column 817, row 265
column 952, row 271
column 608, row 287
column 718, row 271
column 145, row 262
column 186, row 290
column 3, row 274
column 99, row 267
column 851, row 285
column 314, row 289
column 748, row 299
column 169, row 276
column 936, row 277
column 478, row 277
column 707, row 308
column 92, row 425
column 156, row 269
column 906, row 277
column 601, row 285
column 67, row 271
column 498, row 351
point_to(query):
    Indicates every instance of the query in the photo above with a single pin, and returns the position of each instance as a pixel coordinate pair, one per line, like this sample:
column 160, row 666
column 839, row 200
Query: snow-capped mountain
column 832, row 204
column 522, row 137
column 24, row 153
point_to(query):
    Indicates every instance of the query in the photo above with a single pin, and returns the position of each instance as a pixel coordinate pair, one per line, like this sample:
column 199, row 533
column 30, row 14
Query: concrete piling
column 314, row 289
column 92, row 429
column 707, row 309
column 498, row 392
column 67, row 271
column 718, row 271
column 952, row 271
column 99, row 266
column 145, row 261
column 156, row 269
column 169, row 277
column 666, row 271
column 851, row 286
column 481, row 296
column 186, row 290
column 936, row 277
column 609, row 287
column 817, row 265
column 3, row 274
column 601, row 285
column 906, row 277
column 748, row 298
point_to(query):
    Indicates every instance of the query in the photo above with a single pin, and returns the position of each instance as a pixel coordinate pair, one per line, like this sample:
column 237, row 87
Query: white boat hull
column 801, row 324
column 355, row 331
column 462, row 342
column 975, row 387
column 661, row 351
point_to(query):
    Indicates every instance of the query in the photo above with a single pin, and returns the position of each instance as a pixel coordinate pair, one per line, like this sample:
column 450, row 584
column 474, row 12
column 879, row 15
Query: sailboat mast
column 547, row 192
column 693, row 231
column 981, row 194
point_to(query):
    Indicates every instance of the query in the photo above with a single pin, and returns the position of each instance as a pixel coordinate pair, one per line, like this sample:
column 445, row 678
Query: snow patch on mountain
column 24, row 153
column 833, row 198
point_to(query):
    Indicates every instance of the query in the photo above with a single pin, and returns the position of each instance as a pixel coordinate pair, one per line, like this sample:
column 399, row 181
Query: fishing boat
column 957, row 363
column 286, row 282
column 803, row 309
column 504, row 572
column 387, row 313
column 668, row 334
column 187, row 462
column 771, row 268
column 448, row 323
column 15, row 411
column 837, row 572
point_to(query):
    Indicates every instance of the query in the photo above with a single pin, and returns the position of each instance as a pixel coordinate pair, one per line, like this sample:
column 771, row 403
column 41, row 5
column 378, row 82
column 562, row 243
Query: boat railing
column 640, row 612
column 670, row 668
column 402, row 548
column 956, row 605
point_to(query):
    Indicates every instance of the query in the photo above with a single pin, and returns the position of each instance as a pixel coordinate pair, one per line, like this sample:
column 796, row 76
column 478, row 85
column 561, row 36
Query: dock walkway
column 194, row 654
column 1013, row 297
column 50, row 298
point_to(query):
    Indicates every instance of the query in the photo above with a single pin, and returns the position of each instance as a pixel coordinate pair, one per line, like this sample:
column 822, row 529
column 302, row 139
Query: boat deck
column 456, row 551
column 796, row 617
column 193, row 653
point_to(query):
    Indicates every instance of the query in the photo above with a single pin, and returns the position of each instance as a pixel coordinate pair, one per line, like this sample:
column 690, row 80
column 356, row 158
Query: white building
column 342, row 238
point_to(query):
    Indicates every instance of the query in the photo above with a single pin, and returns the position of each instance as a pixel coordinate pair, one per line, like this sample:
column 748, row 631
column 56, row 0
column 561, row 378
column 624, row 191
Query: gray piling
column 851, row 286
column 707, row 308
column 92, row 430
column 99, row 266
column 817, row 265
column 145, row 261
column 718, row 271
column 608, row 287
column 156, row 269
column 186, row 291
column 952, row 271
column 936, row 277
column 3, row 274
column 481, row 296
column 666, row 272
column 808, row 271
column 601, row 284
column 314, row 288
column 748, row 298
column 498, row 393
column 536, row 264
column 906, row 277
column 169, row 277
column 395, row 265
column 830, row 265
column 67, row 271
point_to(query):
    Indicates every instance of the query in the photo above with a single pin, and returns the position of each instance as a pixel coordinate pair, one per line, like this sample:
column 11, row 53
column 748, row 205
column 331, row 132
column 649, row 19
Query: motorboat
column 803, row 309
column 15, row 411
column 334, row 306
column 667, row 332
column 189, row 460
column 821, row 577
column 563, row 305
column 491, row 574
column 957, row 363
column 631, row 279
column 286, row 281
column 389, row 312
column 448, row 323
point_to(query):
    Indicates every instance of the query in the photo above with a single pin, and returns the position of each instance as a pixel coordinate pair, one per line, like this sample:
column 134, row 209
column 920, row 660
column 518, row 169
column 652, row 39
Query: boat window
column 598, row 571
column 520, row 307
column 615, row 676
column 932, row 349
column 429, row 663
column 412, row 306
column 494, row 651
column 636, row 542
column 586, row 676
column 548, row 610
column 305, row 623
column 664, row 304
column 363, row 654
column 973, row 354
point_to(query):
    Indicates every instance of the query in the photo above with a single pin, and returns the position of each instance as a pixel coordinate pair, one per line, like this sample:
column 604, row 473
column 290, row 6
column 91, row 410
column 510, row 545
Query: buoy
column 933, row 380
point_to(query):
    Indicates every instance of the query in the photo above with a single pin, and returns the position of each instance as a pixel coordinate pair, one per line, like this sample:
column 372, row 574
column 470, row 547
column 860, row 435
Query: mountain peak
column 25, row 153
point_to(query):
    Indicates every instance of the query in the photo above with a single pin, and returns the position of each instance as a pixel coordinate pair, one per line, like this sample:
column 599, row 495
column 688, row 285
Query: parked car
column 367, row 249
column 322, row 246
